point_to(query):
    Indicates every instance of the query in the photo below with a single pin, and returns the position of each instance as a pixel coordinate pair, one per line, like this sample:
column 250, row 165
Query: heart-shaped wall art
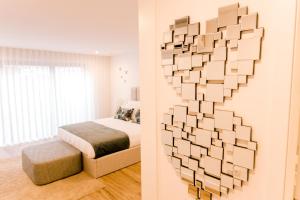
column 210, row 148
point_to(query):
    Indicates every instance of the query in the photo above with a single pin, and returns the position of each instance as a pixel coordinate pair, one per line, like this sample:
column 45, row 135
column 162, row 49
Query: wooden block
column 223, row 119
column 231, row 82
column 184, row 61
column 184, row 147
column 181, row 31
column 240, row 173
column 176, row 162
column 242, row 79
column 170, row 79
column 217, row 142
column 197, row 60
column 243, row 133
column 168, row 150
column 249, row 49
column 242, row 11
column 207, row 107
column 252, row 146
column 167, row 57
column 228, row 15
column 249, row 22
column 259, row 32
column 193, row 191
column 180, row 113
column 200, row 95
column 193, row 107
column 233, row 44
column 214, row 93
column 227, row 168
column 207, row 123
column 167, row 137
column 205, row 57
column 204, row 195
column 219, row 54
column 168, row 37
column 168, row 119
column 177, row 132
column 228, row 152
column 195, row 151
column 184, row 135
column 189, row 40
column 203, row 137
column 168, row 70
column 227, row 181
column 203, row 151
column 215, row 70
column 221, row 43
column 216, row 152
column 187, row 129
column 237, row 182
column 212, row 25
column 200, row 116
column 171, row 111
column 182, row 22
column 217, row 35
column 175, row 68
column 224, row 190
column 233, row 32
column 205, row 43
column 169, row 46
column 193, row 164
column 227, row 92
column 189, row 91
column 245, row 67
column 194, row 77
column 191, row 121
column 187, row 174
column 243, row 157
column 162, row 126
column 175, row 150
column 237, row 121
column 212, row 166
column 227, row 136
column 215, row 135
column 212, row 185
column 194, row 29
column 177, row 81
column 179, row 39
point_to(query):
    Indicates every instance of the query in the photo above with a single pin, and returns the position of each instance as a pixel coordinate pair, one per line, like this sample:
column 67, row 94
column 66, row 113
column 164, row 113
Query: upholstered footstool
column 52, row 161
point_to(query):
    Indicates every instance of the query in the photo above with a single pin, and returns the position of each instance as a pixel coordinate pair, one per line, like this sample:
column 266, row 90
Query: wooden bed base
column 110, row 163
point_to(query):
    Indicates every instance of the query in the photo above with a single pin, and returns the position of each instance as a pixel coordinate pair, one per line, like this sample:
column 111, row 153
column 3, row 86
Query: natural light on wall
column 40, row 91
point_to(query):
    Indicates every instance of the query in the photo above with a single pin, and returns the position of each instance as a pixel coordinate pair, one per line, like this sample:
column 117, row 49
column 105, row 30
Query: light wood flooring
column 124, row 184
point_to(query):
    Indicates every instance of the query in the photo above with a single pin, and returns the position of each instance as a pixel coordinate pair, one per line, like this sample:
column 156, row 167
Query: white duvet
column 131, row 129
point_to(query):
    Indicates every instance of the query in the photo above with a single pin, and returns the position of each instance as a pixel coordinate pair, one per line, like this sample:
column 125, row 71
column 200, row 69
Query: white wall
column 121, row 88
column 264, row 103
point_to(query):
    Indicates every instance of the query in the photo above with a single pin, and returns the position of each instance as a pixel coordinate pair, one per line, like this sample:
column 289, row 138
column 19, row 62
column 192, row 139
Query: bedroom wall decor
column 210, row 148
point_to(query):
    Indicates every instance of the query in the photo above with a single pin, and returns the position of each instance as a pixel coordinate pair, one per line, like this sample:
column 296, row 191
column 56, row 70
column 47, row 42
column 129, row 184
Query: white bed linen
column 131, row 129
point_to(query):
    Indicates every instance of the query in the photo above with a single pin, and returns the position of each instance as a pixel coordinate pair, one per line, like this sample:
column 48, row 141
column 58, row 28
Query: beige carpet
column 15, row 185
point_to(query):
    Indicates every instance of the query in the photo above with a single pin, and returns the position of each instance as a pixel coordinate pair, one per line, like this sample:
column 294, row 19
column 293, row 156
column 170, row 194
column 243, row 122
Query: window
column 35, row 100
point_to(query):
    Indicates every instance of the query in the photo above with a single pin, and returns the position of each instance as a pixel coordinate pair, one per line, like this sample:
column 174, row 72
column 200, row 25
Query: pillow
column 123, row 114
column 136, row 118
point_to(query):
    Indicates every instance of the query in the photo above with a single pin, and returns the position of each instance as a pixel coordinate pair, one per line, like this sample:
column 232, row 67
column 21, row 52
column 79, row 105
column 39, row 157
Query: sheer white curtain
column 40, row 91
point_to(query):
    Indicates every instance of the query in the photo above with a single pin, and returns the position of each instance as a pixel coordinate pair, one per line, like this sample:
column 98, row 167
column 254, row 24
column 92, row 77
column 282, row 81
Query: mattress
column 131, row 129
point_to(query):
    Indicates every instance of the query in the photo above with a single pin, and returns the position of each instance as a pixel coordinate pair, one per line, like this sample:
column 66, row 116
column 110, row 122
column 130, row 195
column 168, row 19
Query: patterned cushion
column 136, row 118
column 124, row 114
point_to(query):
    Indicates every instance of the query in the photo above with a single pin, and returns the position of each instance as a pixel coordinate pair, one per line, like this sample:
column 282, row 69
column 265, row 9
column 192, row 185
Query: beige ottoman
column 52, row 161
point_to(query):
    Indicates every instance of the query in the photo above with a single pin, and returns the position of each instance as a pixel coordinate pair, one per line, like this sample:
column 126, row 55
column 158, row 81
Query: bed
column 105, row 156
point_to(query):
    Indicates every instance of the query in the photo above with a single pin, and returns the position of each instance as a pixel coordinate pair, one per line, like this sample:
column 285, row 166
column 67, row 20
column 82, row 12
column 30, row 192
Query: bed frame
column 110, row 163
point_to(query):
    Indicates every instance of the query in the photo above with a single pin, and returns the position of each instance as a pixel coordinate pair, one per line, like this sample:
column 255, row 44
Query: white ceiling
column 82, row 26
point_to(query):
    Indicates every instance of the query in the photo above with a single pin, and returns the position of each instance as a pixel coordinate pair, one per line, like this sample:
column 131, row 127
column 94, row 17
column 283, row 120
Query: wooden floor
column 124, row 184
